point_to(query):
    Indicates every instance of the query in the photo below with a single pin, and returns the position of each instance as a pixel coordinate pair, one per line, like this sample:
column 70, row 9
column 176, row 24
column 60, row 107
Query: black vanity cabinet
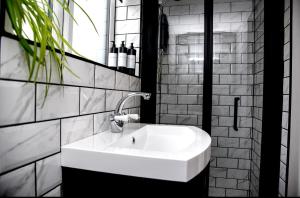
column 85, row 183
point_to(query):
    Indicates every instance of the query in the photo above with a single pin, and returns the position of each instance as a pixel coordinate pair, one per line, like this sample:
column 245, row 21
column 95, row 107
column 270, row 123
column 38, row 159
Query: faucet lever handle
column 126, row 118
column 134, row 116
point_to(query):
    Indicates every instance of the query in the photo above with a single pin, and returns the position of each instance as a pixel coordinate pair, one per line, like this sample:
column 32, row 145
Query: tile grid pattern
column 232, row 77
column 127, row 26
column 182, row 78
column 258, row 96
column 33, row 130
column 286, row 101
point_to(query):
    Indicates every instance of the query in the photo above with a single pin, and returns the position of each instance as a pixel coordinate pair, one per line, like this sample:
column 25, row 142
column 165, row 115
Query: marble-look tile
column 23, row 144
column 73, row 129
column 122, row 81
column 134, row 12
column 56, row 192
column 17, row 102
column 135, row 84
column 112, row 99
column 18, row 183
column 13, row 64
column 83, row 70
column 133, row 38
column 102, row 122
column 92, row 100
column 60, row 102
column 105, row 78
column 48, row 174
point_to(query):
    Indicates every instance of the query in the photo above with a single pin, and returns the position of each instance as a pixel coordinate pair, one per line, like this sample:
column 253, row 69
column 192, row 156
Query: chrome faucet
column 118, row 119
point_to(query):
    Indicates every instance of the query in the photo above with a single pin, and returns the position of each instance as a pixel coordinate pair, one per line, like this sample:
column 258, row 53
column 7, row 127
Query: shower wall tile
column 182, row 84
column 20, row 182
column 20, row 145
column 17, row 104
column 49, row 174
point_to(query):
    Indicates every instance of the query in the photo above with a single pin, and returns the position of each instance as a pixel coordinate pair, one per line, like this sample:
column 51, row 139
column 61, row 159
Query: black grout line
column 55, row 119
column 42, row 195
column 26, row 164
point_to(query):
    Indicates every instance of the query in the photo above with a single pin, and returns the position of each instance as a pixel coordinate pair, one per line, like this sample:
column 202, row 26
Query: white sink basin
column 168, row 152
column 158, row 138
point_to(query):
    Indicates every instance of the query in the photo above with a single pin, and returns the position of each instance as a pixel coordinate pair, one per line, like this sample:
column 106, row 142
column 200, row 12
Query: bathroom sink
column 158, row 138
column 167, row 152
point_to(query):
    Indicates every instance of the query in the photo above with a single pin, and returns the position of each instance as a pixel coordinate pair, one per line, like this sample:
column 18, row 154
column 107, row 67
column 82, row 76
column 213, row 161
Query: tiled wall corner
column 258, row 96
column 286, row 100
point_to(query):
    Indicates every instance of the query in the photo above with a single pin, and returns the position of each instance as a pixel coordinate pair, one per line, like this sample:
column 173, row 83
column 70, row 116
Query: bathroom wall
column 181, row 84
column 32, row 130
column 286, row 103
column 258, row 95
column 258, row 99
column 127, row 26
column 232, row 77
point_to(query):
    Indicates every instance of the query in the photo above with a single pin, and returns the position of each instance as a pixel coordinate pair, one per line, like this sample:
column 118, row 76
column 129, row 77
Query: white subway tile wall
column 258, row 95
column 128, row 27
column 286, row 100
column 181, row 86
column 32, row 128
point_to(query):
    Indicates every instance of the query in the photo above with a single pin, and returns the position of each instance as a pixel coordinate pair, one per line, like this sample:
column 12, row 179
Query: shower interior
column 234, row 168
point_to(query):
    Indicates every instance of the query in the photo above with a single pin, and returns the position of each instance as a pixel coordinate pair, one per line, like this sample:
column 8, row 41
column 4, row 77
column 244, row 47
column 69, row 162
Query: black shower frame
column 273, row 84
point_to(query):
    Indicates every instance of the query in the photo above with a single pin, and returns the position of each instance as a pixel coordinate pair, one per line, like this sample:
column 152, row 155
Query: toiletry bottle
column 131, row 58
column 122, row 58
column 113, row 56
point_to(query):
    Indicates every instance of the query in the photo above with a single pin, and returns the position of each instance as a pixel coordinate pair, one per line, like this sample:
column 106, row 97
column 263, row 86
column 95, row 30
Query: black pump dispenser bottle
column 131, row 58
column 113, row 56
column 122, row 58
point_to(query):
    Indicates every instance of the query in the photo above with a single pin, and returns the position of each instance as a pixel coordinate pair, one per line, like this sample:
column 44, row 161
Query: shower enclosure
column 181, row 87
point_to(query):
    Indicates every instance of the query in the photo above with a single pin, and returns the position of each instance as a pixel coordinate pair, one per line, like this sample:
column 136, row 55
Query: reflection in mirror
column 82, row 35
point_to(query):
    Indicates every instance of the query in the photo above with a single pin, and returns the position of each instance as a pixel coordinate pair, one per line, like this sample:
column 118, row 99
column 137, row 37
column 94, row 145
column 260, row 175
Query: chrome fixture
column 118, row 119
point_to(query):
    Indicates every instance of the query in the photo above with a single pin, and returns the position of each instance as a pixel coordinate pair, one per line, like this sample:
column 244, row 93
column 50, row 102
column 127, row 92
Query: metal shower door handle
column 236, row 103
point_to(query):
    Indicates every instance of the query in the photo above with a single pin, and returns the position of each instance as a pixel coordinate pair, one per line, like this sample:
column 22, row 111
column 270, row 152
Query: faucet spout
column 116, row 120
column 122, row 102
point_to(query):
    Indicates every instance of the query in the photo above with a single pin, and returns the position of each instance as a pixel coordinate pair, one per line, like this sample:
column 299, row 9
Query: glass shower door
column 232, row 103
column 180, row 89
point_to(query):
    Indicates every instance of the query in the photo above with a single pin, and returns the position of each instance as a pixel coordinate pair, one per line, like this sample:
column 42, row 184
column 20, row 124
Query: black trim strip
column 149, row 55
column 34, row 161
column 208, row 66
column 272, row 98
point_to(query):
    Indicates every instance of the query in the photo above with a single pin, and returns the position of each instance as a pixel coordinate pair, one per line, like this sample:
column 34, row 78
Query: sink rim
column 154, row 165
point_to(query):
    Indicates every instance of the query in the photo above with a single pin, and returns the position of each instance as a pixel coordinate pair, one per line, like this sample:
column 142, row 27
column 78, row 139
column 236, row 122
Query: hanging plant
column 46, row 33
